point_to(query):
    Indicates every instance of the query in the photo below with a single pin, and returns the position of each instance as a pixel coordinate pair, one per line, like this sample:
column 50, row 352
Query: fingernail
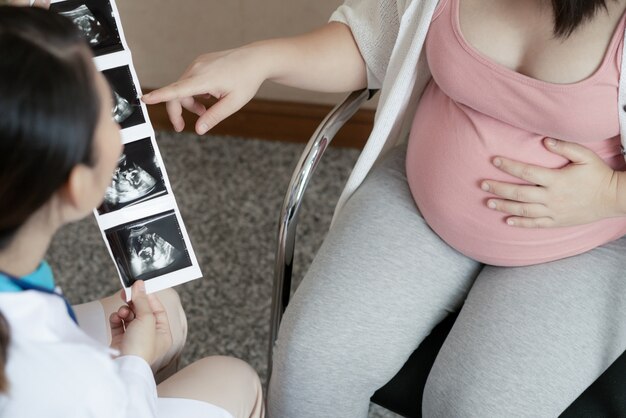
column 497, row 162
column 551, row 142
column 203, row 128
column 510, row 222
column 484, row 186
column 491, row 204
column 141, row 286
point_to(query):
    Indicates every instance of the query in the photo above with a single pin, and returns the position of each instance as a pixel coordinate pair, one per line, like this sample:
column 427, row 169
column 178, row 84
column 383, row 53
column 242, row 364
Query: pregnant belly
column 449, row 154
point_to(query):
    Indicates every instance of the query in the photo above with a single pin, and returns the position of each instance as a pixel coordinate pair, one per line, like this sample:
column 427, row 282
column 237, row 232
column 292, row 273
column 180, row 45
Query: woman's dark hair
column 49, row 110
column 570, row 14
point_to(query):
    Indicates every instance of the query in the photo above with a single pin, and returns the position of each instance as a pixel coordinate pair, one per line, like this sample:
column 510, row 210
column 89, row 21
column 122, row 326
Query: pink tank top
column 474, row 109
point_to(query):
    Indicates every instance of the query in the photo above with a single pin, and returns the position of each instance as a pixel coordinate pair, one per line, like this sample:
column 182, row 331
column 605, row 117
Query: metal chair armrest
column 300, row 178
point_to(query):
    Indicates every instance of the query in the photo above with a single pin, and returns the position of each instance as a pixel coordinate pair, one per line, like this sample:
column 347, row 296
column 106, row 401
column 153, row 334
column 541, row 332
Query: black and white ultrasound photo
column 95, row 20
column 143, row 245
column 126, row 109
column 148, row 247
column 137, row 178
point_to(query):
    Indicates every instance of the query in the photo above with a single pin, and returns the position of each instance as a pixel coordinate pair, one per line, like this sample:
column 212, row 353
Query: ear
column 76, row 194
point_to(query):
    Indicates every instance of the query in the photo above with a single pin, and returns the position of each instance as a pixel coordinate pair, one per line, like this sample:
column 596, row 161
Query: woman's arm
column 326, row 59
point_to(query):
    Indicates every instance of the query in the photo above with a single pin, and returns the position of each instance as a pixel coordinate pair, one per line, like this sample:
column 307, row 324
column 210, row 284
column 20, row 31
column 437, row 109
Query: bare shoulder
column 618, row 6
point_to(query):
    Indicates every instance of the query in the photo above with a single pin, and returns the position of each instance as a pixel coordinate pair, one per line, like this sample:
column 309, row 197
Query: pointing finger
column 180, row 89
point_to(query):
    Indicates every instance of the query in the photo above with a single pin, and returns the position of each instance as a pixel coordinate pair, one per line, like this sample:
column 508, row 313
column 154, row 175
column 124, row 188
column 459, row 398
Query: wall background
column 166, row 35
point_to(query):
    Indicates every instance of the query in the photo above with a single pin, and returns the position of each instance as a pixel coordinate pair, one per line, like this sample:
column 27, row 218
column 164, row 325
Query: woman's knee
column 239, row 379
column 334, row 350
column 227, row 382
column 308, row 340
column 176, row 316
column 468, row 390
column 168, row 364
column 447, row 394
column 312, row 363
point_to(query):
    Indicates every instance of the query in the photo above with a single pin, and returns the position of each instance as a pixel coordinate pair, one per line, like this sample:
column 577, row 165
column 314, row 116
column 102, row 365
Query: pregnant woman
column 507, row 204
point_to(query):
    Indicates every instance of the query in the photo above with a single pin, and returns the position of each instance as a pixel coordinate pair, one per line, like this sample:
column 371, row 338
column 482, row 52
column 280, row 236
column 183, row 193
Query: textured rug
column 229, row 191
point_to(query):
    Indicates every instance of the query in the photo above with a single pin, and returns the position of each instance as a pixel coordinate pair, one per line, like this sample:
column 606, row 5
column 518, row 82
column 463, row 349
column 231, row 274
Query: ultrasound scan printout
column 139, row 218
column 137, row 178
column 130, row 182
column 88, row 24
column 148, row 247
column 95, row 19
column 127, row 109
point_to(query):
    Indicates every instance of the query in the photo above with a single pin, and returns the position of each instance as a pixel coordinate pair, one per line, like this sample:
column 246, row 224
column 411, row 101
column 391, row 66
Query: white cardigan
column 390, row 35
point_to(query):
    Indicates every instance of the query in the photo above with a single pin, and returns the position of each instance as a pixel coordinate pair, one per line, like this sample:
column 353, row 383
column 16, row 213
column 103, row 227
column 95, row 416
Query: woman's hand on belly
column 583, row 191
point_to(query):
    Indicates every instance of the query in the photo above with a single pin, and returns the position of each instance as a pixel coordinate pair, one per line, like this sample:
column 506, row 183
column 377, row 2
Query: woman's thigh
column 529, row 340
column 379, row 283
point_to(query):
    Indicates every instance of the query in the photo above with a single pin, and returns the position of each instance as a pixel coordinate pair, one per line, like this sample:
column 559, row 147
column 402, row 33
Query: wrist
column 265, row 57
column 276, row 59
column 144, row 354
column 140, row 346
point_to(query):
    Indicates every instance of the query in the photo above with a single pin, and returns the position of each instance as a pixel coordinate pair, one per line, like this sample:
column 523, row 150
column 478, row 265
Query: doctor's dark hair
column 570, row 14
column 49, row 110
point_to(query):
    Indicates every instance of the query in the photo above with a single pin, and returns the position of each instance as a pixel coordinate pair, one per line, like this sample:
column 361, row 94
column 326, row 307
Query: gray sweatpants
column 527, row 342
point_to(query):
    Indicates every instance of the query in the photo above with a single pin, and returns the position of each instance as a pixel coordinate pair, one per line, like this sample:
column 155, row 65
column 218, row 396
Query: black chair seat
column 605, row 398
column 403, row 393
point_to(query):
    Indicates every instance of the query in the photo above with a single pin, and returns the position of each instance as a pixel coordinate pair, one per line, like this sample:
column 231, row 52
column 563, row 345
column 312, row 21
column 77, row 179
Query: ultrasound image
column 95, row 19
column 148, row 247
column 136, row 179
column 127, row 109
column 121, row 108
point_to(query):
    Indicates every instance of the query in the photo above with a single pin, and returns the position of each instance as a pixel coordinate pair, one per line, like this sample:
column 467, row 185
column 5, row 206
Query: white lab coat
column 56, row 370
